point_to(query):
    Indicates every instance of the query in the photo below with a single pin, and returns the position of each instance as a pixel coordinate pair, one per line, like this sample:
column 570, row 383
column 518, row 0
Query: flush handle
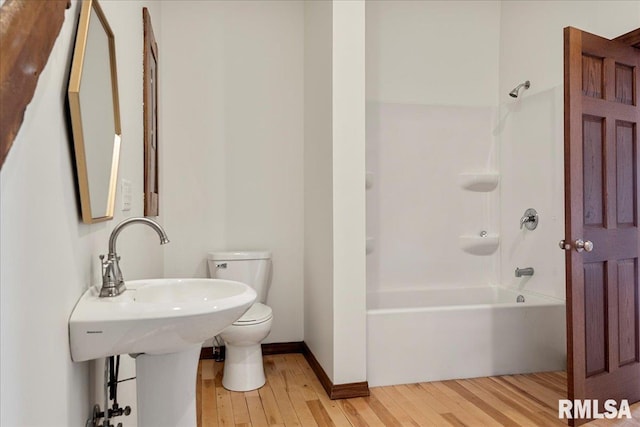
column 582, row 245
column 221, row 265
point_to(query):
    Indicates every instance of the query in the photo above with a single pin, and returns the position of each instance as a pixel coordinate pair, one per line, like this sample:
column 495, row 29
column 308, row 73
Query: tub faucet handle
column 529, row 219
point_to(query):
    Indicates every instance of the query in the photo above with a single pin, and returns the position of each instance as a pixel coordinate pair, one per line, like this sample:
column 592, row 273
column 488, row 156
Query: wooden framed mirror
column 95, row 113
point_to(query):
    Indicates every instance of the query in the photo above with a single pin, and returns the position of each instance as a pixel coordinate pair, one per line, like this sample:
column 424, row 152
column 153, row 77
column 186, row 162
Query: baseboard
column 283, row 348
column 267, row 349
column 334, row 391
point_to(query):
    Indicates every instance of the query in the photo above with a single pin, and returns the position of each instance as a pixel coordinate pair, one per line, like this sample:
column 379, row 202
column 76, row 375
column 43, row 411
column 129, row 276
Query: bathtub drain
column 520, row 298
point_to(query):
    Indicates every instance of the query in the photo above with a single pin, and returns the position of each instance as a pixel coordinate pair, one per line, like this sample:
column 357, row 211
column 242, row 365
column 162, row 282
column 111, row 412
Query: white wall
column 318, row 183
column 531, row 36
column 192, row 129
column 349, row 276
column 432, row 82
column 232, row 141
column 47, row 256
column 432, row 52
column 531, row 128
column 335, row 287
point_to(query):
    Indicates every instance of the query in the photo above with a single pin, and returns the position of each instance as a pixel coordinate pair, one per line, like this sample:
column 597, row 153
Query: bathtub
column 438, row 334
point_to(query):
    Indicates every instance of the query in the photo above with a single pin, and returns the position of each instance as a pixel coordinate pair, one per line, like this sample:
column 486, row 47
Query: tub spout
column 524, row 271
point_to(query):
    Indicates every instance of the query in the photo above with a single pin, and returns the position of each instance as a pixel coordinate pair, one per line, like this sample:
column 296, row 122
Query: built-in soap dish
column 479, row 244
column 479, row 181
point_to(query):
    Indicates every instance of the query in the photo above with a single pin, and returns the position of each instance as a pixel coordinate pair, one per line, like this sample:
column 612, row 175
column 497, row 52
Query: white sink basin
column 158, row 316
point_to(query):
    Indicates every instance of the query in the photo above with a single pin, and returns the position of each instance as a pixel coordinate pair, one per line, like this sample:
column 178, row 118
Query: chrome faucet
column 112, row 280
column 524, row 271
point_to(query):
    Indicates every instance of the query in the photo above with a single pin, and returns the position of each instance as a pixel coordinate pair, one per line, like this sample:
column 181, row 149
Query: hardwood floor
column 293, row 396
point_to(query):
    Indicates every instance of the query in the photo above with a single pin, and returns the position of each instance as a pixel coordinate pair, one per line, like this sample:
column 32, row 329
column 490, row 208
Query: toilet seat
column 257, row 313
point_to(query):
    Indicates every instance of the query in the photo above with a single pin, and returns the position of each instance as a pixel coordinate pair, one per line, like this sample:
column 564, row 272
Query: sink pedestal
column 166, row 386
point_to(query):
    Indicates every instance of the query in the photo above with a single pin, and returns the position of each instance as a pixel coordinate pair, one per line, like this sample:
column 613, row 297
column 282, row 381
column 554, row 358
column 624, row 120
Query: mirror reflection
column 95, row 119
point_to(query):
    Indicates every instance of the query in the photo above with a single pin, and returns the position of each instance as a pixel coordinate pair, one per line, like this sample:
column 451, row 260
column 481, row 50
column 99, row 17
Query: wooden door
column 602, row 116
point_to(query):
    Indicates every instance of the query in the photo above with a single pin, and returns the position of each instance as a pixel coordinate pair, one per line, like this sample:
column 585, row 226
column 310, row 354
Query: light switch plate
column 126, row 195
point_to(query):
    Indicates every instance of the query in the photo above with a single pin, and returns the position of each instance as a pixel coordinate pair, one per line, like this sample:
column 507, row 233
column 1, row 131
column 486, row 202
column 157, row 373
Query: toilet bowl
column 243, row 366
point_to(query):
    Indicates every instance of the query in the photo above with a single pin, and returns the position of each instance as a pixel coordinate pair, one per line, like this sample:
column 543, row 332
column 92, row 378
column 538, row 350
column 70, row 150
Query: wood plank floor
column 293, row 396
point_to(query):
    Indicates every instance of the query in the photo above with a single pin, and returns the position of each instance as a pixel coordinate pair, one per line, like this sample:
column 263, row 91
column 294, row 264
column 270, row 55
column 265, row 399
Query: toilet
column 243, row 369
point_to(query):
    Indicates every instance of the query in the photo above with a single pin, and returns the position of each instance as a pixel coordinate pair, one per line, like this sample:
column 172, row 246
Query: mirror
column 95, row 113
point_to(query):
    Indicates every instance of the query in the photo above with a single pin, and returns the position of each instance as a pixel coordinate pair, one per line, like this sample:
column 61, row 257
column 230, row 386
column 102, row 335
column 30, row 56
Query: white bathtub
column 437, row 334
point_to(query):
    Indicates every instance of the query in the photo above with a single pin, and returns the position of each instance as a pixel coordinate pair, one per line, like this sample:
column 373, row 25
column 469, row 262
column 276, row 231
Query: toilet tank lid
column 238, row 255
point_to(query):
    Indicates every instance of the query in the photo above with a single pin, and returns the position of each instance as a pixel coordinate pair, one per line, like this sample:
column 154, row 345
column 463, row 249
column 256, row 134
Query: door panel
column 593, row 161
column 627, row 167
column 595, row 301
column 602, row 206
column 627, row 309
column 624, row 84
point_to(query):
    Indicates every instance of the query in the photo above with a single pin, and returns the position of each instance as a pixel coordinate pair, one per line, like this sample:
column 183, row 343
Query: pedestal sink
column 163, row 322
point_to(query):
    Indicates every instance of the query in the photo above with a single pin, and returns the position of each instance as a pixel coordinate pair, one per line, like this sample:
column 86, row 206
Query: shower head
column 516, row 90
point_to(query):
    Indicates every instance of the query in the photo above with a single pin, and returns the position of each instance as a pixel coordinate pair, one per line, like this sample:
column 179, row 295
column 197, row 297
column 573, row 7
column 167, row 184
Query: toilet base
column 243, row 368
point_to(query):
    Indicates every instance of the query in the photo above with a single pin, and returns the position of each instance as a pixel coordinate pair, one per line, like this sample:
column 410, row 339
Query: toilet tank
column 252, row 268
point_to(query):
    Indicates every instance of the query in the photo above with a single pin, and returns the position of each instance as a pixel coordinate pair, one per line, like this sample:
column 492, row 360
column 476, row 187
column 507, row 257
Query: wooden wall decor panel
column 595, row 299
column 592, row 78
column 150, row 113
column 624, row 84
column 593, row 157
column 28, row 31
column 628, row 312
column 626, row 171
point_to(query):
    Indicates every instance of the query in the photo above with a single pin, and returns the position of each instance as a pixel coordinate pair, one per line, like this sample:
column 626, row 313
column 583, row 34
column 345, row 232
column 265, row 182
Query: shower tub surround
column 434, row 222
column 438, row 334
column 432, row 179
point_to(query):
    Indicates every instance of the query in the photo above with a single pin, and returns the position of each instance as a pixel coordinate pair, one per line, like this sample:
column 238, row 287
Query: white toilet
column 243, row 369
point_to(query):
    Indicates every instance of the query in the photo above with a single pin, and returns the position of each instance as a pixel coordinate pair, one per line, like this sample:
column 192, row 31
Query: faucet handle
column 529, row 219
column 103, row 264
